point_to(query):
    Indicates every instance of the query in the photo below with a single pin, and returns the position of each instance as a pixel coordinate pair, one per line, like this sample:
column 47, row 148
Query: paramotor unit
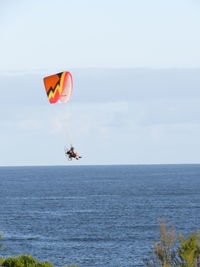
column 59, row 90
column 70, row 153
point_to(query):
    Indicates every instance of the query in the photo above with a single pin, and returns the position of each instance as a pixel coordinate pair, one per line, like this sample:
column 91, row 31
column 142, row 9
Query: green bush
column 189, row 250
column 164, row 250
column 185, row 252
column 24, row 261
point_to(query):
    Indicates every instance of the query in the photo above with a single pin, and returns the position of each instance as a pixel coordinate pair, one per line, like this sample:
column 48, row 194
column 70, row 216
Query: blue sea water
column 95, row 215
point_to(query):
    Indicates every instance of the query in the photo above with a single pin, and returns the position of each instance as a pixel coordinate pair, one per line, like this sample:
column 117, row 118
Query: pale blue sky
column 51, row 34
column 136, row 69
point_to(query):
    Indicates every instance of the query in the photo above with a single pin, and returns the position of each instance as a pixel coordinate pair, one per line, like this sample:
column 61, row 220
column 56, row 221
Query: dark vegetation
column 170, row 251
column 25, row 261
column 175, row 251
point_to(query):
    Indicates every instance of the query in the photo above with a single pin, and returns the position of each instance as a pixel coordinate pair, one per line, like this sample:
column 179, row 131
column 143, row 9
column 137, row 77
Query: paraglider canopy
column 59, row 87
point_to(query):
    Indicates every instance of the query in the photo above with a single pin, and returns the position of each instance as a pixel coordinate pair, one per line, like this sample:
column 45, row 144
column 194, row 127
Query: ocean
column 95, row 216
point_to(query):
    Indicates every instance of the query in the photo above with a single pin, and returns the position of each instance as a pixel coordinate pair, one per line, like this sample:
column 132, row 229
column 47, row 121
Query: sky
column 136, row 71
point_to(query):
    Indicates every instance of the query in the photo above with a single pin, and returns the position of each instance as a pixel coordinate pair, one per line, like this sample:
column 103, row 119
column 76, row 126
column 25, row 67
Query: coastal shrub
column 1, row 261
column 24, row 261
column 164, row 249
column 189, row 250
column 164, row 252
column 170, row 251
